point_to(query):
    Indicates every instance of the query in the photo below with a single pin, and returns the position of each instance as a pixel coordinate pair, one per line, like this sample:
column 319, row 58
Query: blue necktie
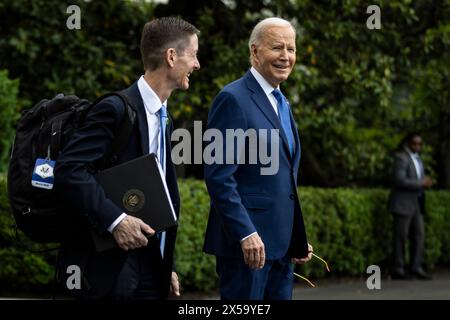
column 162, row 122
column 285, row 119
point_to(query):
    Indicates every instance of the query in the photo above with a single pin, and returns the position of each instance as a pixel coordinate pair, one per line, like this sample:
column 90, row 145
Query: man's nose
column 284, row 54
column 196, row 65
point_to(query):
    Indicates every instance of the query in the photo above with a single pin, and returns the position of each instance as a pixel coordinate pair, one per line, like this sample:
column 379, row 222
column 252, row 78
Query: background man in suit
column 407, row 203
column 255, row 226
column 141, row 266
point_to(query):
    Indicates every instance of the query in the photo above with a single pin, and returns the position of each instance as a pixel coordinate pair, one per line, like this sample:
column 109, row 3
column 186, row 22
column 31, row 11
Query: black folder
column 139, row 188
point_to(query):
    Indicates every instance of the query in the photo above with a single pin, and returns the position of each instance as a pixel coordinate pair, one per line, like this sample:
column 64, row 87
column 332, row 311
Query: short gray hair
column 258, row 30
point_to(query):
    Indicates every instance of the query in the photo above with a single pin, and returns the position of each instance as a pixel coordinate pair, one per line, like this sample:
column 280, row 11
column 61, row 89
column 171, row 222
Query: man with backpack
column 141, row 267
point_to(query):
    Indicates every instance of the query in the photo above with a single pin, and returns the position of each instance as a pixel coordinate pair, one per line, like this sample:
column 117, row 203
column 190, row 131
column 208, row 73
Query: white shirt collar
column 415, row 159
column 151, row 100
column 267, row 88
column 414, row 154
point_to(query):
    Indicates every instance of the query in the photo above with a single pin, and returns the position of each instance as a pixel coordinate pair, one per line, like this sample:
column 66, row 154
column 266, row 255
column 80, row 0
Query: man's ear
column 254, row 51
column 170, row 57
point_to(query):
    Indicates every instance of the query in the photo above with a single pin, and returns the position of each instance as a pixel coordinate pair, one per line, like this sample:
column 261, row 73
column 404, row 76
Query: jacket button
column 291, row 196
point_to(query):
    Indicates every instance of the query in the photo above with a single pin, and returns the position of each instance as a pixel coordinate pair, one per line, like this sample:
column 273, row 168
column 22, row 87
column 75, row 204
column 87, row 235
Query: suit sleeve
column 86, row 146
column 226, row 114
column 400, row 175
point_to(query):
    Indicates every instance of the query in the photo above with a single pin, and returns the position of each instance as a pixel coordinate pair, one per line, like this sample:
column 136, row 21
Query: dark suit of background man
column 140, row 267
column 407, row 203
column 255, row 225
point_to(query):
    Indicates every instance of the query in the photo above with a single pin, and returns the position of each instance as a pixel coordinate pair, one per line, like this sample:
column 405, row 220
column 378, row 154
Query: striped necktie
column 285, row 119
column 162, row 147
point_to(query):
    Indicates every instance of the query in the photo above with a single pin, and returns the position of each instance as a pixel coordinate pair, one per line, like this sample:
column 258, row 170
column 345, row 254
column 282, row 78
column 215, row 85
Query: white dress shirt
column 417, row 165
column 152, row 104
column 267, row 88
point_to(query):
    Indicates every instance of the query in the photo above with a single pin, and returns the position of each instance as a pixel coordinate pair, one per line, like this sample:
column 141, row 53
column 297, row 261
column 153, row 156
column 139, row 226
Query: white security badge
column 43, row 174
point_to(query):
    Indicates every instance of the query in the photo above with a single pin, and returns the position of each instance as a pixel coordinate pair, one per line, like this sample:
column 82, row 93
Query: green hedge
column 21, row 269
column 350, row 228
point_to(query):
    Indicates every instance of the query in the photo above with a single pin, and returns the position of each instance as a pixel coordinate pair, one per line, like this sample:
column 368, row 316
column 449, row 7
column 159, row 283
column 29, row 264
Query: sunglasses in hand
column 306, row 279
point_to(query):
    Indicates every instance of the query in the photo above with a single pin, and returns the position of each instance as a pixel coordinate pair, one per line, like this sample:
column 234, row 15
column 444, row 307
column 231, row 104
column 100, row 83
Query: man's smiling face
column 275, row 57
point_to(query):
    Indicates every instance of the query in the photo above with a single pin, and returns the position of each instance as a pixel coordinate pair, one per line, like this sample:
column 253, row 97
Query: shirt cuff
column 116, row 222
column 248, row 236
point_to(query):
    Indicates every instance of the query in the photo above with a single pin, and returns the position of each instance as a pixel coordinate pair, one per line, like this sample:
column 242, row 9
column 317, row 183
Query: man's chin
column 184, row 86
column 283, row 76
column 280, row 76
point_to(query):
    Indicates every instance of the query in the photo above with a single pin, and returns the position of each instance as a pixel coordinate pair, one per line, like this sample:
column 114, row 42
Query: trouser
column 139, row 277
column 238, row 282
column 412, row 226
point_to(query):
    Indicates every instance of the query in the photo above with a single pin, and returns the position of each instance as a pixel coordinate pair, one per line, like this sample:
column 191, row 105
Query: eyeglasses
column 306, row 279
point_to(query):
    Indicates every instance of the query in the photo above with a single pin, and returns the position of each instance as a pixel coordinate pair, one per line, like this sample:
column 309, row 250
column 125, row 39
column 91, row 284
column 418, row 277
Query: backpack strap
column 123, row 133
column 55, row 139
column 50, row 108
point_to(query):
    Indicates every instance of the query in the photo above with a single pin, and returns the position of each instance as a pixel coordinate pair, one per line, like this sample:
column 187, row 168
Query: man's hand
column 427, row 182
column 305, row 259
column 254, row 253
column 131, row 233
column 175, row 284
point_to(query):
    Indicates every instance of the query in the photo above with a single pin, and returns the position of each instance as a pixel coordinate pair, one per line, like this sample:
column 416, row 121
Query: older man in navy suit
column 141, row 267
column 255, row 226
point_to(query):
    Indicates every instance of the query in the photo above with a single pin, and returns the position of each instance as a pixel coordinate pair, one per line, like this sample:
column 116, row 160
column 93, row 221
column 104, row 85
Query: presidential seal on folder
column 139, row 188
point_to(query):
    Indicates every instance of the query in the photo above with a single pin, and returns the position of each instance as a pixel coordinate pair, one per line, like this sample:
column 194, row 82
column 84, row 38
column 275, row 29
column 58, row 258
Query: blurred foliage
column 191, row 264
column 349, row 228
column 8, row 115
column 352, row 229
column 355, row 92
column 37, row 47
column 22, row 267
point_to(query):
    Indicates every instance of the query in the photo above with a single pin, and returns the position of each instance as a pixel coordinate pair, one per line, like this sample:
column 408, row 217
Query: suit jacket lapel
column 263, row 103
column 136, row 99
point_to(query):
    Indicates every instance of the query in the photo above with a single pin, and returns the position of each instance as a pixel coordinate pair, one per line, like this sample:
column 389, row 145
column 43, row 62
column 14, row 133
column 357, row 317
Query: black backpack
column 42, row 132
